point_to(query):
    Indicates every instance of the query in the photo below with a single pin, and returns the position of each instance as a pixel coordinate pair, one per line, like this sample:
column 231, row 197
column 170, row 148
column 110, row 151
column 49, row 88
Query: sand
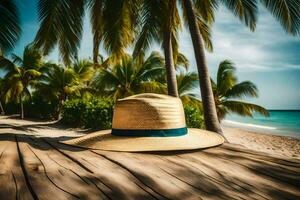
column 264, row 142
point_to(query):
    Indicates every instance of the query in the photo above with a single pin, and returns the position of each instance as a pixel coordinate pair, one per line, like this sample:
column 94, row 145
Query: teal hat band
column 150, row 133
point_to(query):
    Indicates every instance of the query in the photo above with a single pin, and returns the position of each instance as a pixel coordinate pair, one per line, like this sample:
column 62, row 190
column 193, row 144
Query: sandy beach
column 264, row 142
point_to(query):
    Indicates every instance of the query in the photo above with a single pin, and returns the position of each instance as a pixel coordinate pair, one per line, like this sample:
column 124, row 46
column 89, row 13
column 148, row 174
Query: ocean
column 280, row 122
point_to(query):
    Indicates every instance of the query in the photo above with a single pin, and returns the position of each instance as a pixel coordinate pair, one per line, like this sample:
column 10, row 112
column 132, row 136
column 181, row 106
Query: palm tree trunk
column 22, row 107
column 170, row 69
column 209, row 108
column 1, row 109
column 96, row 51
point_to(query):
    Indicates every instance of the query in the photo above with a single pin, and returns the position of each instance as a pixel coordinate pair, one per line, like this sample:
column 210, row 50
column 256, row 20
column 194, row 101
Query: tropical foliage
column 1, row 94
column 130, row 76
column 58, row 82
column 285, row 11
column 89, row 113
column 117, row 25
column 10, row 29
column 61, row 23
column 227, row 90
column 188, row 84
column 20, row 74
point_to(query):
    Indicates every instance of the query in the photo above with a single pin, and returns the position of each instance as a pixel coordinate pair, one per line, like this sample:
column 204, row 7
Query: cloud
column 268, row 48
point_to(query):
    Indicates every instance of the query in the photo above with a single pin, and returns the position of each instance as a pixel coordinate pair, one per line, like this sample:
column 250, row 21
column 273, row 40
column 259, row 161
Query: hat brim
column 104, row 140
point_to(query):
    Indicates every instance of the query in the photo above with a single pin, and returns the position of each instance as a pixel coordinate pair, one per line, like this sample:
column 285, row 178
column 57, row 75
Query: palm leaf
column 120, row 21
column 187, row 82
column 205, row 31
column 246, row 10
column 241, row 90
column 96, row 18
column 244, row 109
column 206, row 9
column 150, row 24
column 182, row 61
column 6, row 64
column 286, row 12
column 60, row 23
column 10, row 24
column 226, row 77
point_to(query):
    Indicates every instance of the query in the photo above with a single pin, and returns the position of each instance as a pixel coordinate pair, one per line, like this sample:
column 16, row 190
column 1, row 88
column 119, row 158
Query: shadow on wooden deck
column 34, row 167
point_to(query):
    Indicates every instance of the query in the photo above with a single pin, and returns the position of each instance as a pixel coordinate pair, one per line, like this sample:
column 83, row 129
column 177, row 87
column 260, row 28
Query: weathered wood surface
column 34, row 167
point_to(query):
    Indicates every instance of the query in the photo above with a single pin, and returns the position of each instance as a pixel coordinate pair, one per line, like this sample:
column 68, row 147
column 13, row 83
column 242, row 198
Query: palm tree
column 188, row 83
column 1, row 91
column 129, row 77
column 113, row 23
column 10, row 29
column 285, row 11
column 21, row 73
column 160, row 21
column 84, row 70
column 60, row 83
column 226, row 90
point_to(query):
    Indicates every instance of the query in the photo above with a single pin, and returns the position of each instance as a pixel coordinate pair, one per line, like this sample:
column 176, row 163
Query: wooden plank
column 122, row 183
column 12, row 181
column 66, row 174
column 39, row 175
column 201, row 184
column 151, row 175
column 245, row 173
column 41, row 168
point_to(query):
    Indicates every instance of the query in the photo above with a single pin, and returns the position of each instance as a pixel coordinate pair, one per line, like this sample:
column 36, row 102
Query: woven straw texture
column 148, row 112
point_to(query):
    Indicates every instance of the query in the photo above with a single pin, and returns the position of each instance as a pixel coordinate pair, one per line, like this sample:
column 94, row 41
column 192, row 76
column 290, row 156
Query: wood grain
column 34, row 167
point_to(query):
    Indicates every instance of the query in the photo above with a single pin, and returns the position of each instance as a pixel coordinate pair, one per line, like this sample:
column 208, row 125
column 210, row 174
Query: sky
column 268, row 57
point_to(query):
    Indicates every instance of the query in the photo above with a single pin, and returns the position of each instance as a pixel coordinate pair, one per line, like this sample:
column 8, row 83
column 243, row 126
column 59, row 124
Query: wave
column 229, row 122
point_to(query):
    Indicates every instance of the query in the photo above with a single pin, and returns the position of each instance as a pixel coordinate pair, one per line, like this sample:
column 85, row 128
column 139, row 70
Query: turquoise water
column 280, row 122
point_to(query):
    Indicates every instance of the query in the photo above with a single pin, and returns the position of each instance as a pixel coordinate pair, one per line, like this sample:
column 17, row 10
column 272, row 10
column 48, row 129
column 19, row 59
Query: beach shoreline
column 263, row 141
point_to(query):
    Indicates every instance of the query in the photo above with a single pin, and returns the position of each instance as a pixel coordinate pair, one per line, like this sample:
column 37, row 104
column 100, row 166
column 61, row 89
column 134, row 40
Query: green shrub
column 36, row 107
column 193, row 116
column 72, row 112
column 98, row 114
column 40, row 108
column 95, row 113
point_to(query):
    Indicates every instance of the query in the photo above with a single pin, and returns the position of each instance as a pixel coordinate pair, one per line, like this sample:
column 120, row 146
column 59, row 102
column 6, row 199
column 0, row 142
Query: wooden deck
column 34, row 167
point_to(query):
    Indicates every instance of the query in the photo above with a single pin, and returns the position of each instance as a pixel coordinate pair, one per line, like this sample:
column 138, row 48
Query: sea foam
column 234, row 123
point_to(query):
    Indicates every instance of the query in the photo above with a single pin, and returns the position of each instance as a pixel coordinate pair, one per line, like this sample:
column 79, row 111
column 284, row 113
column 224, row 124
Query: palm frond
column 246, row 10
column 6, row 65
column 286, row 12
column 150, row 24
column 10, row 24
column 226, row 77
column 241, row 90
column 206, row 9
column 96, row 18
column 244, row 109
column 60, row 23
column 32, row 57
column 187, row 82
column 84, row 69
column 120, row 21
column 182, row 61
column 205, row 31
column 16, row 59
column 32, row 73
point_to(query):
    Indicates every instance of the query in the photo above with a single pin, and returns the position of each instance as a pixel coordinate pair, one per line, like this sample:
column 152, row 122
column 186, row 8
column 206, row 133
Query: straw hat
column 148, row 122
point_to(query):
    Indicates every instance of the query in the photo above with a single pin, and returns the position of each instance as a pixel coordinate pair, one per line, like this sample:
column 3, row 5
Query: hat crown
column 148, row 111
